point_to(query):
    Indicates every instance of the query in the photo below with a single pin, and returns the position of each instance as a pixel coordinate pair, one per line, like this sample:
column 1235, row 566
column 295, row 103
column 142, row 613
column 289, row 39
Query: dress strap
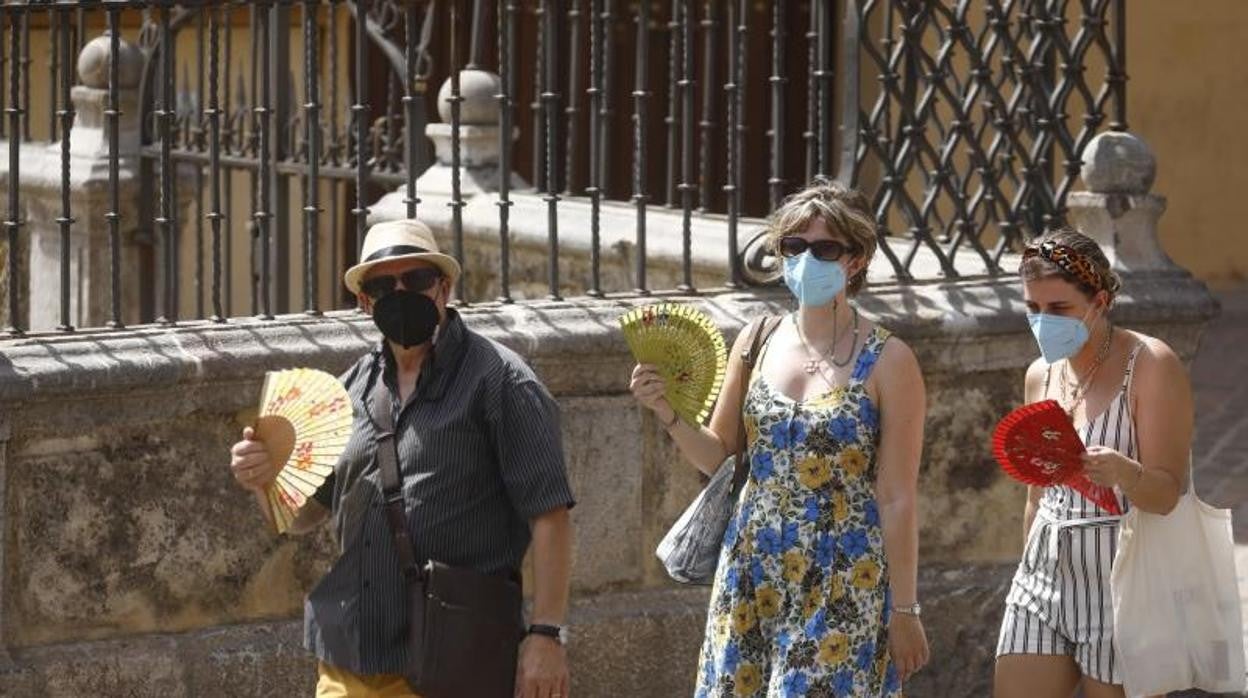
column 870, row 354
column 1126, row 377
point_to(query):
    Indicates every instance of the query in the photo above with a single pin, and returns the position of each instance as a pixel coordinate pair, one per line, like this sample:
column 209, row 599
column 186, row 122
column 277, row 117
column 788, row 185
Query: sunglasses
column 826, row 250
column 420, row 279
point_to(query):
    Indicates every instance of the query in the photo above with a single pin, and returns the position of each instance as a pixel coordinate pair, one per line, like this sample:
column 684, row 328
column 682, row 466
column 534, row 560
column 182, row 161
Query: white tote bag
column 1177, row 620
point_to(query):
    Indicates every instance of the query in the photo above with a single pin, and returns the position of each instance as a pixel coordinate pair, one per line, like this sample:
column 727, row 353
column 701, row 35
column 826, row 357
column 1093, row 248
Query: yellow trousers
column 333, row 682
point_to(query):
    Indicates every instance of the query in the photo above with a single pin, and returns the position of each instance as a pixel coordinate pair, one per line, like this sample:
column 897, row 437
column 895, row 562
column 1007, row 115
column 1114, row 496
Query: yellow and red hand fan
column 305, row 422
column 688, row 350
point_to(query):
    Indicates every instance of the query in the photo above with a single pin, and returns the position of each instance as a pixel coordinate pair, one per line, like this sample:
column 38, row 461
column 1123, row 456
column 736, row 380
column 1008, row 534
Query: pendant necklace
column 829, row 356
column 1073, row 398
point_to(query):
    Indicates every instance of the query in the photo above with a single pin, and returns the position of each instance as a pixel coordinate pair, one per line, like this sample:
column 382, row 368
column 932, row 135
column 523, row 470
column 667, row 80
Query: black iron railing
column 964, row 119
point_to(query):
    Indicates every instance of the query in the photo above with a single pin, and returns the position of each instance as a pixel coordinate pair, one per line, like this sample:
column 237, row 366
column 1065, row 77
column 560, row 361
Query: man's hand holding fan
column 303, row 426
column 1036, row 444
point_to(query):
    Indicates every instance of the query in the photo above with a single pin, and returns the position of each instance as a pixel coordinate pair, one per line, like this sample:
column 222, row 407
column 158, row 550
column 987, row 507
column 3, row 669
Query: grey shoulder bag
column 690, row 550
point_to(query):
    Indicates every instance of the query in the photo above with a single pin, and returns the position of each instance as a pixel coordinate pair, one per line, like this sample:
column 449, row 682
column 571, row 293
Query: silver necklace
column 828, row 356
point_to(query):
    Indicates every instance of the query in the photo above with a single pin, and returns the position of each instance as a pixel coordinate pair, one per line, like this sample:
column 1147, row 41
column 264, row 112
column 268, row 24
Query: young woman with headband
column 1130, row 400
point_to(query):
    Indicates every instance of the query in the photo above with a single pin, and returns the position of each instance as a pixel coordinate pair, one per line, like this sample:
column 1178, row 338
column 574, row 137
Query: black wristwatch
column 557, row 633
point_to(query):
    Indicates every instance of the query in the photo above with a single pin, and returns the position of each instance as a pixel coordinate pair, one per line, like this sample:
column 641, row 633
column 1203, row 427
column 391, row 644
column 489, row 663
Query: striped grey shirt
column 480, row 455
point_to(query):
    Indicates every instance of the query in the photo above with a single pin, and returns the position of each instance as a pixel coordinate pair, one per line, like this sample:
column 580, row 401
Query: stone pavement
column 1220, row 382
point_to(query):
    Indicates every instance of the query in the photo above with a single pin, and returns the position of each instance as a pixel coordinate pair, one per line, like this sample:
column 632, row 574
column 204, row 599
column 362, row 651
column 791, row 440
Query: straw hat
column 405, row 239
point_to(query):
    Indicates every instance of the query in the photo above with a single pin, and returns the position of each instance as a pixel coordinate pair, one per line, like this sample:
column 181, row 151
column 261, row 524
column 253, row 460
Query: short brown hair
column 1040, row 266
column 843, row 210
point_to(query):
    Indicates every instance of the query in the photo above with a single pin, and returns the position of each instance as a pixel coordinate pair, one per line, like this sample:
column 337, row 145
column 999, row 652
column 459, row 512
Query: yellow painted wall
column 1188, row 98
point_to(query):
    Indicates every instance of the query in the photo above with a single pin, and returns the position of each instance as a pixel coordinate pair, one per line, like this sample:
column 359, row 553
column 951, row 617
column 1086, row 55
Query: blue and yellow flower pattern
column 800, row 603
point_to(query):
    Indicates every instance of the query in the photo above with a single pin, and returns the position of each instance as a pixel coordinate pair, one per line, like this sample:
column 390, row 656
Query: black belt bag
column 463, row 627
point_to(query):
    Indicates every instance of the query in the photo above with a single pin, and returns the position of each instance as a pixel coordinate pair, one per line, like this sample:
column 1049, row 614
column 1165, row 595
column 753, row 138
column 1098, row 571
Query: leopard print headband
column 1068, row 260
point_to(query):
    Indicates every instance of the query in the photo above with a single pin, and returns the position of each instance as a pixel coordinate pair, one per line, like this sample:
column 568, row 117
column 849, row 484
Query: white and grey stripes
column 1059, row 602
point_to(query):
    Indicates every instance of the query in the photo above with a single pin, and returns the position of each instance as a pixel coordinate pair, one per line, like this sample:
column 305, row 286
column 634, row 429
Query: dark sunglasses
column 421, row 279
column 827, row 250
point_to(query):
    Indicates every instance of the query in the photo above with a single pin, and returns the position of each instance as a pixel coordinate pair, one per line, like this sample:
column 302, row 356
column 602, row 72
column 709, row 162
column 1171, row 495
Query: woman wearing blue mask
column 1130, row 400
column 815, row 593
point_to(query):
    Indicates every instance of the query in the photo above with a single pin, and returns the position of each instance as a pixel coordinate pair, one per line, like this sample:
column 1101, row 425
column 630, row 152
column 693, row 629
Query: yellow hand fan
column 688, row 350
column 305, row 422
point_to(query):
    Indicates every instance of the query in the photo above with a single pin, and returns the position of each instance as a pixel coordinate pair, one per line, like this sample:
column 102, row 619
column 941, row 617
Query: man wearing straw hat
column 482, row 476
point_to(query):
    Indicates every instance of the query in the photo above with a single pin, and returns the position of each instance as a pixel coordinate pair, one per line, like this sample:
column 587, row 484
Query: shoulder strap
column 759, row 333
column 1126, row 377
column 391, row 480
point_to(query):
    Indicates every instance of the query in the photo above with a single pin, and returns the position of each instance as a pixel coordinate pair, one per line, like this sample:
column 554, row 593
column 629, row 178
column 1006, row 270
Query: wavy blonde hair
column 842, row 210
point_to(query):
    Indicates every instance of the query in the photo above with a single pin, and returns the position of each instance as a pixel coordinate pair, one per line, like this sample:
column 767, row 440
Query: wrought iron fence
column 965, row 119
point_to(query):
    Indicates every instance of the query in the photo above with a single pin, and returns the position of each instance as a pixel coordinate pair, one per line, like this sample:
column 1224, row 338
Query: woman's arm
column 1164, row 417
column 903, row 403
column 704, row 447
column 1033, row 391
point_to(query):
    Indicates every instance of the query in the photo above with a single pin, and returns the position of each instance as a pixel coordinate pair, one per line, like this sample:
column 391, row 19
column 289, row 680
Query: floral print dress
column 800, row 602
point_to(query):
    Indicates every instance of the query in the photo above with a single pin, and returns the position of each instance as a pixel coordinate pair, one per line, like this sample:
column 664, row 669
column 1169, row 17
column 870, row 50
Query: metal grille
column 336, row 143
column 983, row 112
column 965, row 119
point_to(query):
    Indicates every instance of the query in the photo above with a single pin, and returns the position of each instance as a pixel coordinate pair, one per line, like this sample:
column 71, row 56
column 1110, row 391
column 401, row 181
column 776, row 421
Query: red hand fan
column 1036, row 444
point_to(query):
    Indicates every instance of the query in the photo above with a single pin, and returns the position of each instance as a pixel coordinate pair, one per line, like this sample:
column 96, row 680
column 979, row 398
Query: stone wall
column 132, row 564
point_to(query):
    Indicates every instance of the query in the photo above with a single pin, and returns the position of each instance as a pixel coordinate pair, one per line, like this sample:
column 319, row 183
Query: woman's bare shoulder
column 1153, row 349
column 896, row 356
column 1156, row 364
column 1033, row 381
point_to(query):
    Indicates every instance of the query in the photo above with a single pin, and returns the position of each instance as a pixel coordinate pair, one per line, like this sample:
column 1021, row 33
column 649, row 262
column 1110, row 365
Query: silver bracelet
column 913, row 609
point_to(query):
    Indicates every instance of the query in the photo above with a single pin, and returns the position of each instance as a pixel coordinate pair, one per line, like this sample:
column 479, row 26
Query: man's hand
column 250, row 462
column 543, row 669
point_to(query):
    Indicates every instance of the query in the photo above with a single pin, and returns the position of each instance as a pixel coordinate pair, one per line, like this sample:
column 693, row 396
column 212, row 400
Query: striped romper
column 1059, row 602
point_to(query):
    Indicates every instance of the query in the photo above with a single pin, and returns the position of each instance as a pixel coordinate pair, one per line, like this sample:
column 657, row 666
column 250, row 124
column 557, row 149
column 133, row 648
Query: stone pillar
column 1118, row 208
column 1119, row 211
column 90, row 253
column 478, row 137
column 479, row 153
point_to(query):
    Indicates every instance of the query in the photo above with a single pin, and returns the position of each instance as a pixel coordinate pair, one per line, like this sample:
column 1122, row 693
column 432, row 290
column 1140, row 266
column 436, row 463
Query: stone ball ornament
column 479, row 90
column 1117, row 162
column 94, row 63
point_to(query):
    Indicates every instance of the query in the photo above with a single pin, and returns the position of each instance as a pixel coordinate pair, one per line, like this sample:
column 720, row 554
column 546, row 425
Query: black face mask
column 406, row 318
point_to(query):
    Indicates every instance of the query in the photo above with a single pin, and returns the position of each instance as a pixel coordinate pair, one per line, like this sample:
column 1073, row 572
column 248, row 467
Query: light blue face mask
column 813, row 281
column 1059, row 337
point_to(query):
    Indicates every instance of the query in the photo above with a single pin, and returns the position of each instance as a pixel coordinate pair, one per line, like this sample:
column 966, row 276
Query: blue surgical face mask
column 813, row 281
column 1059, row 337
